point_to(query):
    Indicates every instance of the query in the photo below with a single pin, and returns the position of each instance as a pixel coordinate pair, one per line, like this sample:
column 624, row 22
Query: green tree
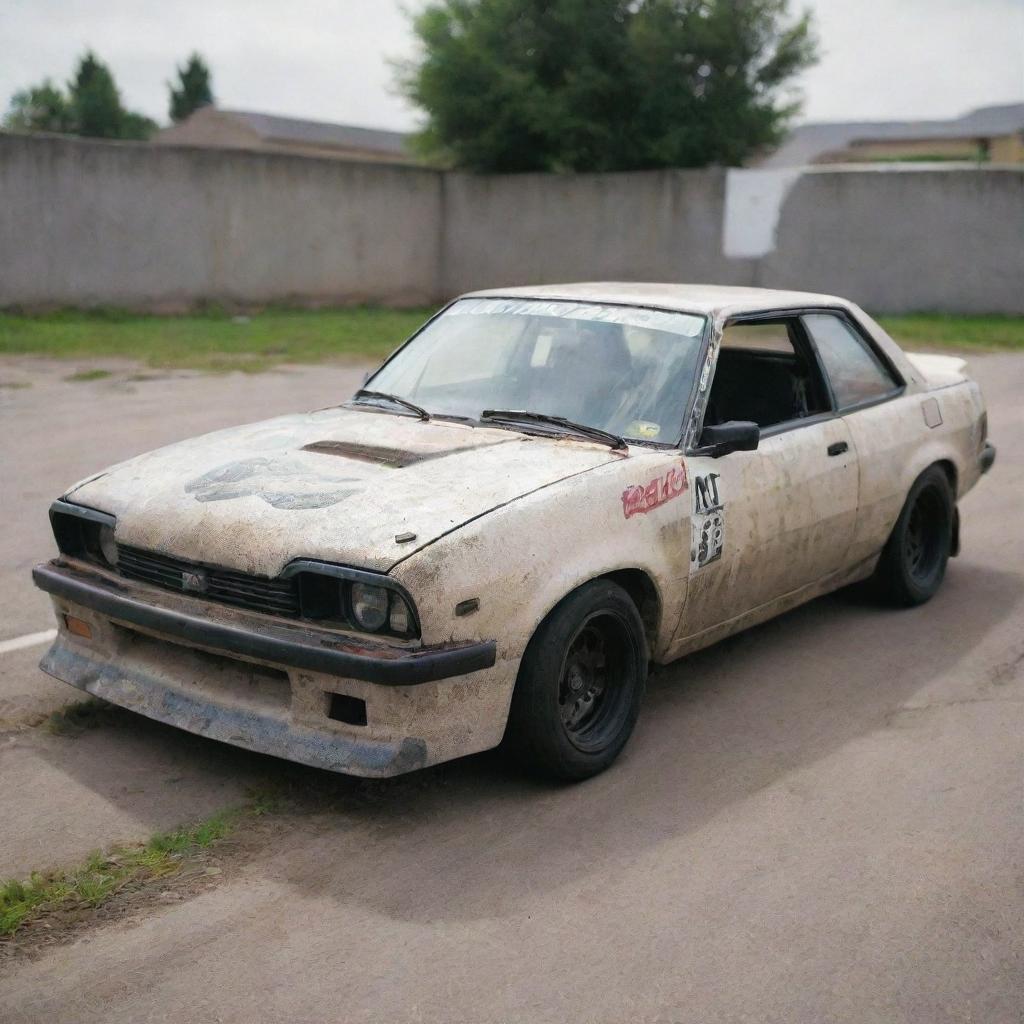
column 137, row 126
column 585, row 85
column 40, row 108
column 193, row 90
column 92, row 106
column 95, row 100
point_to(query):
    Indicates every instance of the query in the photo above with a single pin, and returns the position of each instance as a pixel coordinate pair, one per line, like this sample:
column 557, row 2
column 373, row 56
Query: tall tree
column 95, row 101
column 518, row 85
column 193, row 90
column 92, row 106
column 40, row 108
column 713, row 76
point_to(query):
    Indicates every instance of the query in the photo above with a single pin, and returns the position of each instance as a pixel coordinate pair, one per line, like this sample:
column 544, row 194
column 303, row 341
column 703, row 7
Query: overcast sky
column 881, row 59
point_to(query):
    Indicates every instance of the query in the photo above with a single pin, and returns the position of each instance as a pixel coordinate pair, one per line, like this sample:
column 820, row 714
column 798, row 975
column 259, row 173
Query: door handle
column 838, row 448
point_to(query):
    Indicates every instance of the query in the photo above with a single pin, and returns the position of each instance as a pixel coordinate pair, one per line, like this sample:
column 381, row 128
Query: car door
column 885, row 428
column 768, row 522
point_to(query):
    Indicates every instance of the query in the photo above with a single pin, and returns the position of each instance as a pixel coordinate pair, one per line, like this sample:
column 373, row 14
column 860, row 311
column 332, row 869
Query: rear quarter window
column 856, row 373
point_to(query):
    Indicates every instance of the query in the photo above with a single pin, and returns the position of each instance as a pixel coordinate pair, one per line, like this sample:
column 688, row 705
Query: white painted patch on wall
column 753, row 200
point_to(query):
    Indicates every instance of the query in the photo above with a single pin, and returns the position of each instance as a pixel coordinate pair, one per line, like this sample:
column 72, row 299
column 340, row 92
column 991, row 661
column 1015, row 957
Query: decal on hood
column 279, row 482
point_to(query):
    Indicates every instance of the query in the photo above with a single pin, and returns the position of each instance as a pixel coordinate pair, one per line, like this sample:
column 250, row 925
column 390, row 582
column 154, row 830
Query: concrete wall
column 85, row 223
column 535, row 228
column 906, row 240
column 893, row 239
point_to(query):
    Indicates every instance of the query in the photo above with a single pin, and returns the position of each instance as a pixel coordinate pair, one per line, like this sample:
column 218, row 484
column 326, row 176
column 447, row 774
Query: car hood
column 337, row 485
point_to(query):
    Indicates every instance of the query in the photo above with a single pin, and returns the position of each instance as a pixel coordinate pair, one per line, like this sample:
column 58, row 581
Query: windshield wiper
column 385, row 397
column 512, row 416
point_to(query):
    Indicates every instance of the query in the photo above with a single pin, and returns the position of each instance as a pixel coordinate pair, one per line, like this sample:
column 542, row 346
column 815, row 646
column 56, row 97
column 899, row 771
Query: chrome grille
column 276, row 597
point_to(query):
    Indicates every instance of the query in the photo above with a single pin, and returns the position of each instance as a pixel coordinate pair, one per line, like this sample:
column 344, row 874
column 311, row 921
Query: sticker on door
column 708, row 522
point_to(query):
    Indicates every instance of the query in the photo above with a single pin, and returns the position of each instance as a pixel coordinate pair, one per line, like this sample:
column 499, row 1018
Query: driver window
column 763, row 375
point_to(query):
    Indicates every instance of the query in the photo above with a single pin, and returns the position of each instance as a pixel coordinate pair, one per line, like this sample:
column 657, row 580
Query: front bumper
column 294, row 646
column 144, row 691
column 267, row 686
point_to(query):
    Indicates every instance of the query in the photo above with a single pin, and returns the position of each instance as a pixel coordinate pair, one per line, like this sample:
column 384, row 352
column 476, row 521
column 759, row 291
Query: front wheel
column 913, row 562
column 580, row 685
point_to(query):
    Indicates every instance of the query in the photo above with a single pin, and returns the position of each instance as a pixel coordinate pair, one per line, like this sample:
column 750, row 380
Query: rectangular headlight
column 84, row 532
column 362, row 600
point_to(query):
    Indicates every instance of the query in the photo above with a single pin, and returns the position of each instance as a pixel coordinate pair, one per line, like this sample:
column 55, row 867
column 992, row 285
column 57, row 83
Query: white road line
column 28, row 640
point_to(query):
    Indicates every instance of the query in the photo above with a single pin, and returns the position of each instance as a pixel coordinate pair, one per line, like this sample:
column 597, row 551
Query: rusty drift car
column 538, row 495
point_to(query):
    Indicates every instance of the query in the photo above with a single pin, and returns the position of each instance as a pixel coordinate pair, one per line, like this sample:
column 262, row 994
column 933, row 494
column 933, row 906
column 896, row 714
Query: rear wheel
column 913, row 562
column 580, row 685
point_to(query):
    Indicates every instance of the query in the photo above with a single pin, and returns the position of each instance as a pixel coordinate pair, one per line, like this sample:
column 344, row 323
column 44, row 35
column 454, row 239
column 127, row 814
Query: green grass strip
column 104, row 875
column 212, row 340
column 922, row 331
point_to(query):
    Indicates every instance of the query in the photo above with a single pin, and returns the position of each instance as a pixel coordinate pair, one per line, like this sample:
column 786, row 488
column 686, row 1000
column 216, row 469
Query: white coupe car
column 538, row 495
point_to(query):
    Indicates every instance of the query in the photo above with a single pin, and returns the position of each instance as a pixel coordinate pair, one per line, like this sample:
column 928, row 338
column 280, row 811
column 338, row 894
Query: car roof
column 720, row 302
column 710, row 299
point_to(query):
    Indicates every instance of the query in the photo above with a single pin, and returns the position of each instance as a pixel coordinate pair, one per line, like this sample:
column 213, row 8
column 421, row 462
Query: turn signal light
column 78, row 627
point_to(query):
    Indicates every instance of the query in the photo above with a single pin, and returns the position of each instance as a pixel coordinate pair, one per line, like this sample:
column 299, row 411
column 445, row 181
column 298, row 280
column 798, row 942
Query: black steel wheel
column 580, row 685
column 913, row 562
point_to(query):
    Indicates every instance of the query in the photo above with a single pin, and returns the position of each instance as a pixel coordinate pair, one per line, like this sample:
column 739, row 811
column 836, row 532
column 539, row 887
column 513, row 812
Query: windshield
column 622, row 369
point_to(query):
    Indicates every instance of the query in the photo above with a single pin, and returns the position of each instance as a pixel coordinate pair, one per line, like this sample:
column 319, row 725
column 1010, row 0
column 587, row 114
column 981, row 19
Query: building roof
column 808, row 141
column 710, row 299
column 319, row 133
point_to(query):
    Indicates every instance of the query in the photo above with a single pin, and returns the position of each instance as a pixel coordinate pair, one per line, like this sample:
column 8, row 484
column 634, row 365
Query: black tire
column 580, row 685
column 914, row 559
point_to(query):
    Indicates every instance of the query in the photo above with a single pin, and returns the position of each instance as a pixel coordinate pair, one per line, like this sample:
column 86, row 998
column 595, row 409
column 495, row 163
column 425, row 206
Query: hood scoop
column 394, row 458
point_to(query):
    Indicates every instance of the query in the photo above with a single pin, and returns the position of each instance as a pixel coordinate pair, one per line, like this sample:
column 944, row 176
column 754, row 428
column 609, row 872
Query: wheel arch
column 895, row 581
column 644, row 594
column 532, row 734
column 641, row 589
column 942, row 463
column 948, row 466
column 932, row 455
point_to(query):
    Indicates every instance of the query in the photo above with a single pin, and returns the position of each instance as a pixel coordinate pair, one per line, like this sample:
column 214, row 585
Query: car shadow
column 474, row 838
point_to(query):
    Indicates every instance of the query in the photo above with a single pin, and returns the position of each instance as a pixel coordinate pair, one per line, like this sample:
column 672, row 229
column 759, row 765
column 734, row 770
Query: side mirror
column 734, row 436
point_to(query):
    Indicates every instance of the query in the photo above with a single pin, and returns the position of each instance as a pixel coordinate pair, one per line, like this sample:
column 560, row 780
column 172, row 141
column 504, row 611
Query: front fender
column 520, row 560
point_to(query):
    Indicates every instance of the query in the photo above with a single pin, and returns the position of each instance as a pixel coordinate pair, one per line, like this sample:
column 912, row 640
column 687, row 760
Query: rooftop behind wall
column 86, row 223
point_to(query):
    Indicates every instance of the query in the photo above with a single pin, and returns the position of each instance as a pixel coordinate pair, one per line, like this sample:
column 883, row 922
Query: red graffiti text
column 643, row 497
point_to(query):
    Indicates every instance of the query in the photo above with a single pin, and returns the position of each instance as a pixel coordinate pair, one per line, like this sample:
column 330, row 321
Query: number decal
column 708, row 521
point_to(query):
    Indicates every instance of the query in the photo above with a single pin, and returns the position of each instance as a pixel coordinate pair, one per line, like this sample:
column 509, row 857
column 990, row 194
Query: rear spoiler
column 938, row 370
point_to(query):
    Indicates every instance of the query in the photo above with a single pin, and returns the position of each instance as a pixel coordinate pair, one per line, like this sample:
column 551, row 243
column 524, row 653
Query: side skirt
column 835, row 581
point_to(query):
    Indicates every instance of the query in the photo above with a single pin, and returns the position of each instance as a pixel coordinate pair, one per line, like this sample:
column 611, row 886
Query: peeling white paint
column 753, row 202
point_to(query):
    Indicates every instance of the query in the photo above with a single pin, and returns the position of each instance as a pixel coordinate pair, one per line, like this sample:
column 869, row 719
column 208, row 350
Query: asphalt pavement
column 819, row 820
